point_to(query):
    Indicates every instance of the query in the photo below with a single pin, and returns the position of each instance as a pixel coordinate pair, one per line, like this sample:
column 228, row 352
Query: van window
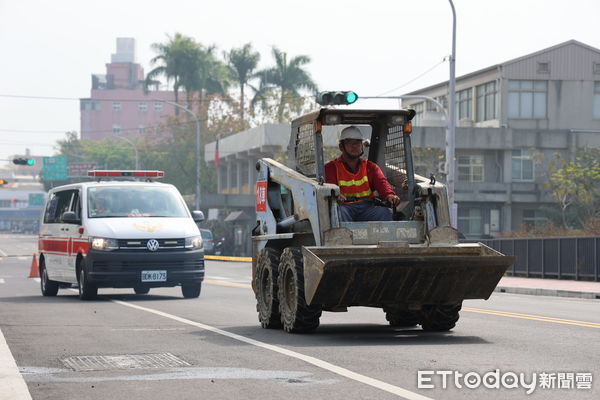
column 57, row 205
column 135, row 201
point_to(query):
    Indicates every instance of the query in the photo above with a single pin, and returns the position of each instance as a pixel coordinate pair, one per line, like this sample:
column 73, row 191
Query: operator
column 358, row 179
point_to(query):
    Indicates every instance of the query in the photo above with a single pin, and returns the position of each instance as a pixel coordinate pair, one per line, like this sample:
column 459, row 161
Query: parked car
column 207, row 241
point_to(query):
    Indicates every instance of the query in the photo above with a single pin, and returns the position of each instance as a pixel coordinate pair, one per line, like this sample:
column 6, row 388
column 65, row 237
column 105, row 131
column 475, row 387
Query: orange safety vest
column 353, row 185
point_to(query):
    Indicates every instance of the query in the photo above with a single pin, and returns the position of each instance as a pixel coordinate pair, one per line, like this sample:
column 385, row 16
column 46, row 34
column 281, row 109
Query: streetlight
column 197, row 146
column 450, row 133
column 137, row 163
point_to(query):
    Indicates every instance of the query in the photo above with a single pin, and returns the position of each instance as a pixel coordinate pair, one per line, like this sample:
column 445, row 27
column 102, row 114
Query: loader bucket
column 409, row 276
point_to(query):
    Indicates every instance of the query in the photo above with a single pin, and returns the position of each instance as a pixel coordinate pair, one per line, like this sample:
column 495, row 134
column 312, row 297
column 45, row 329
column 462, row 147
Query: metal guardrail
column 558, row 257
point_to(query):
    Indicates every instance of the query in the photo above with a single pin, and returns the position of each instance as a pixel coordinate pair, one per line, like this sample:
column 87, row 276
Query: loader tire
column 401, row 318
column 267, row 302
column 296, row 315
column 439, row 317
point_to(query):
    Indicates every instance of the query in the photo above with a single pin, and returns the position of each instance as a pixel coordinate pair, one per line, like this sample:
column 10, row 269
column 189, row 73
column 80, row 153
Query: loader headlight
column 194, row 242
column 104, row 244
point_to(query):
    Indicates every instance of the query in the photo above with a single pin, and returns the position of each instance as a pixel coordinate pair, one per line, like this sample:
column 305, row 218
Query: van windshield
column 135, row 201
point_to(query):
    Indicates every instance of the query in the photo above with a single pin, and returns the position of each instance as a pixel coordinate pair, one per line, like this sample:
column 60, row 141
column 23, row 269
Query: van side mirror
column 198, row 216
column 69, row 217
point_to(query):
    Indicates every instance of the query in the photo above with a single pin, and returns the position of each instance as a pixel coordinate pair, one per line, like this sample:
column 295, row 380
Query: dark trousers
column 365, row 210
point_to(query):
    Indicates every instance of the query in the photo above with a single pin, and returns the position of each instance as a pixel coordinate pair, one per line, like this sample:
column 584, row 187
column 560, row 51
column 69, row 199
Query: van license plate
column 154, row 276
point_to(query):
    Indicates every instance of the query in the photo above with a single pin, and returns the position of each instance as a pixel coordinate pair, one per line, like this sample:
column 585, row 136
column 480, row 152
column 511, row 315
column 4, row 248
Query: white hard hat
column 351, row 132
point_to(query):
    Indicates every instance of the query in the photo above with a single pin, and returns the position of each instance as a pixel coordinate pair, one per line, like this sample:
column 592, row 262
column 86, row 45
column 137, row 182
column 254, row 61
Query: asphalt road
column 158, row 346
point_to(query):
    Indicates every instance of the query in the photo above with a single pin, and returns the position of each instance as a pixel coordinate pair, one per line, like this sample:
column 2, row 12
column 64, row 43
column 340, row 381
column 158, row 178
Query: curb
column 227, row 258
column 548, row 292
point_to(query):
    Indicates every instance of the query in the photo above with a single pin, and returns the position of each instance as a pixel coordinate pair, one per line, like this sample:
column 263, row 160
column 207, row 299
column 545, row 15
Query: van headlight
column 194, row 242
column 104, row 244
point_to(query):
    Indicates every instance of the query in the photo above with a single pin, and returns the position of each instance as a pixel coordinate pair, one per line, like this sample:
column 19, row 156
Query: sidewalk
column 549, row 287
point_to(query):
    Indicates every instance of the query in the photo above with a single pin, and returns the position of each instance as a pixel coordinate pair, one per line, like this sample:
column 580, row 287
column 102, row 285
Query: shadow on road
column 331, row 335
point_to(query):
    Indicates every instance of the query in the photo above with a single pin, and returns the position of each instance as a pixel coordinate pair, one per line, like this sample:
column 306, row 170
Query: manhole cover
column 125, row 361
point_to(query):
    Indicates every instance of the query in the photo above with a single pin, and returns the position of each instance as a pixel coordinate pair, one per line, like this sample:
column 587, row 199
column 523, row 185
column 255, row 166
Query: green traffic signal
column 23, row 161
column 336, row 98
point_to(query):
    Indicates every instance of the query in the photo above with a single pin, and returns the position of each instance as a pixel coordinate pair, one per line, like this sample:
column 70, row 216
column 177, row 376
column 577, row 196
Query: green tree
column 241, row 63
column 287, row 79
column 575, row 185
column 177, row 60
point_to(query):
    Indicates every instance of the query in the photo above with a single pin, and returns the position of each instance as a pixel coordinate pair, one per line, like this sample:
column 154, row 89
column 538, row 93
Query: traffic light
column 3, row 182
column 24, row 161
column 329, row 98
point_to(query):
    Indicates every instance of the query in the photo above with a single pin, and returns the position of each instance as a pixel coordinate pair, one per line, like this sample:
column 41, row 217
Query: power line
column 193, row 100
column 415, row 78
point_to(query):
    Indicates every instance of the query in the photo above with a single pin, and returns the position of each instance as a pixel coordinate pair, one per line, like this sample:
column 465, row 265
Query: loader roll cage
column 390, row 145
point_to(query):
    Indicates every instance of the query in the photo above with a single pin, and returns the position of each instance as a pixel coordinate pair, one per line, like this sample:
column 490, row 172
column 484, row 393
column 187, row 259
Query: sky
column 51, row 48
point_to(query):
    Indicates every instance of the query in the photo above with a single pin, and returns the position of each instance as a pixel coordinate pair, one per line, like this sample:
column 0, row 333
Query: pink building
column 118, row 104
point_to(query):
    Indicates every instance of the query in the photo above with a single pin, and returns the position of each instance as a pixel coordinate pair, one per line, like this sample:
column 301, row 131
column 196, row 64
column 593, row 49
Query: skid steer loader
column 307, row 260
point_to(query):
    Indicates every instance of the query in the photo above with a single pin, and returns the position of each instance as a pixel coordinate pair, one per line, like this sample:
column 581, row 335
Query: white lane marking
column 407, row 394
column 12, row 384
column 35, row 374
column 38, row 280
column 3, row 254
column 2, row 280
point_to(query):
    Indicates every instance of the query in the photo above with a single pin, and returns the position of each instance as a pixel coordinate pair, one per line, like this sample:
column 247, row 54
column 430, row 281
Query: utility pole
column 198, row 144
column 450, row 133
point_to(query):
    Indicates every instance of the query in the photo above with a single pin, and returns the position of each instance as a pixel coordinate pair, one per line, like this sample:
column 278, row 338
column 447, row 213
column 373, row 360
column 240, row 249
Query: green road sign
column 55, row 168
column 36, row 199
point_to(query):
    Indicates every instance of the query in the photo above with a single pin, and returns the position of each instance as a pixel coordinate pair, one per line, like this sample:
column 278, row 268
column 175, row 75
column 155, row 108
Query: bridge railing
column 557, row 257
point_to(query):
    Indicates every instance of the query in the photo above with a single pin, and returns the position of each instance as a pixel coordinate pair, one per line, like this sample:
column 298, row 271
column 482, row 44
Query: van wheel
column 191, row 290
column 296, row 315
column 439, row 317
column 49, row 287
column 141, row 290
column 87, row 291
column 267, row 302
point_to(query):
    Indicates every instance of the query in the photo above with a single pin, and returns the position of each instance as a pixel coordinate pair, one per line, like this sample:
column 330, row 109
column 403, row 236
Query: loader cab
column 387, row 143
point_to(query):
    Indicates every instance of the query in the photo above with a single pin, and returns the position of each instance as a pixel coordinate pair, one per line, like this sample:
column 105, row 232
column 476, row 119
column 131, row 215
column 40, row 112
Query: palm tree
column 285, row 77
column 176, row 59
column 241, row 63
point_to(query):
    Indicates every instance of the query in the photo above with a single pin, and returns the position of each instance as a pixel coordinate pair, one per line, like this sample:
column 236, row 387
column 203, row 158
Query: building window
column 522, row 165
column 463, row 104
column 116, row 129
column 543, row 67
column 596, row 103
column 142, row 106
column 486, row 101
column 596, row 68
column 470, row 168
column 443, row 101
column 141, row 128
column 527, row 99
column 158, row 106
column 116, row 106
column 418, row 118
column 469, row 221
column 533, row 219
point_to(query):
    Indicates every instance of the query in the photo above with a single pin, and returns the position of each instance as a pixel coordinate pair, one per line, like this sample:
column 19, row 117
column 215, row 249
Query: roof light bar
column 130, row 173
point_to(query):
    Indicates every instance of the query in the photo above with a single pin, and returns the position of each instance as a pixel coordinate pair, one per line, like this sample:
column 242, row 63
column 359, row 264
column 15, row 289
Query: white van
column 119, row 234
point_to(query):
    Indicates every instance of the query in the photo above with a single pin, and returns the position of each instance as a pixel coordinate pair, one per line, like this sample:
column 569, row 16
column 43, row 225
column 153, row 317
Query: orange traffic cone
column 34, row 272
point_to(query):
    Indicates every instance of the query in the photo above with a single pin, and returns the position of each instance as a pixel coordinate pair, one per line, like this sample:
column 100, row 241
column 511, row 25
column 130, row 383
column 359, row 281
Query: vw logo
column 152, row 245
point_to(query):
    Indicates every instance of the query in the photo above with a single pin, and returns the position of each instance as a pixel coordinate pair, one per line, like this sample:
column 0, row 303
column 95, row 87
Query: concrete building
column 118, row 104
column 508, row 116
